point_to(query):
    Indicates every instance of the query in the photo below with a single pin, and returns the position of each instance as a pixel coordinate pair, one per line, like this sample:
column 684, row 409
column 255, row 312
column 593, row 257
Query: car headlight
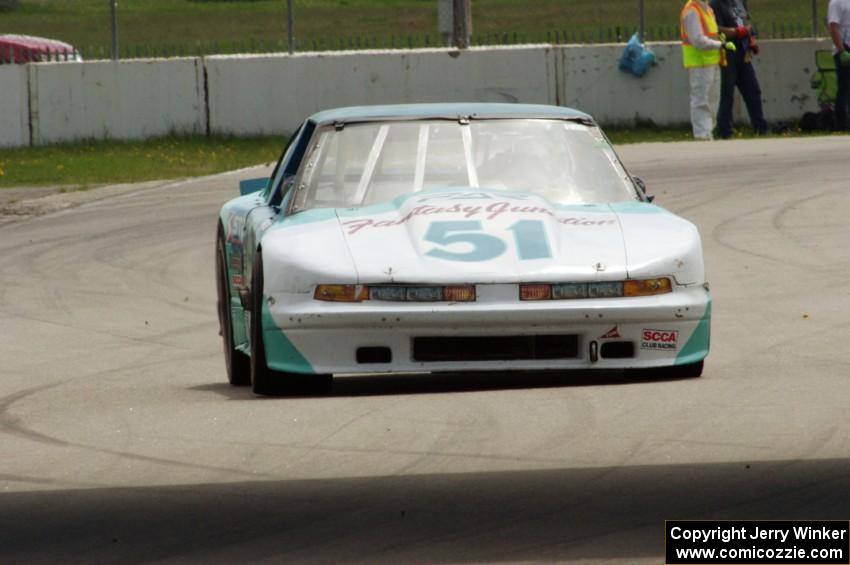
column 394, row 293
column 615, row 289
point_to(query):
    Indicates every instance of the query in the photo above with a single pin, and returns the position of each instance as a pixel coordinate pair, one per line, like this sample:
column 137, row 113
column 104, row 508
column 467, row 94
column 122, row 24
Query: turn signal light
column 647, row 287
column 340, row 293
column 535, row 291
column 459, row 293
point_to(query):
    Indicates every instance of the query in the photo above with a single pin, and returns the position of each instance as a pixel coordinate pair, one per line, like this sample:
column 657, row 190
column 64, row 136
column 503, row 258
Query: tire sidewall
column 223, row 310
column 236, row 363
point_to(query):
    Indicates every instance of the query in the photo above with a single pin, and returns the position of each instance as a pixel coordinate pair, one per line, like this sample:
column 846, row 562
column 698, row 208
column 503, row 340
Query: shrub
column 8, row 5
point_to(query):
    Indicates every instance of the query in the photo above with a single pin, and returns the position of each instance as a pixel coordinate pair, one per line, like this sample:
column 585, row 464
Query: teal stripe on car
column 698, row 345
column 281, row 354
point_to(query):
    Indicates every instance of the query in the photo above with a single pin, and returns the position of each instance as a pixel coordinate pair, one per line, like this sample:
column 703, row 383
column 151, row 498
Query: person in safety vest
column 733, row 20
column 703, row 51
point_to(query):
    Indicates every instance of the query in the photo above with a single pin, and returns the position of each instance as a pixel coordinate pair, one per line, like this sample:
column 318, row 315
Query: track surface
column 119, row 439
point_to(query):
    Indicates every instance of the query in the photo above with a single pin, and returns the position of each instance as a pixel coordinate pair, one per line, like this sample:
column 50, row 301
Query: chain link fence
column 771, row 30
column 575, row 22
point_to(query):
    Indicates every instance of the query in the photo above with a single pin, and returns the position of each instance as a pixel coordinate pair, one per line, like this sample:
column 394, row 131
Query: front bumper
column 303, row 335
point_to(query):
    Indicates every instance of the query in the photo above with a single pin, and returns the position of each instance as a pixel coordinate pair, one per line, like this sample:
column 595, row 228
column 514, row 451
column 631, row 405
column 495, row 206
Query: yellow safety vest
column 691, row 56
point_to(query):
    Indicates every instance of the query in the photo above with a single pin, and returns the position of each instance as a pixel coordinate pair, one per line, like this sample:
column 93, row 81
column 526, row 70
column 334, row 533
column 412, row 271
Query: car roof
column 33, row 42
column 446, row 111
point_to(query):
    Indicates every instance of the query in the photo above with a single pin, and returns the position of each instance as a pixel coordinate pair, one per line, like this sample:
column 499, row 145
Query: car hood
column 472, row 236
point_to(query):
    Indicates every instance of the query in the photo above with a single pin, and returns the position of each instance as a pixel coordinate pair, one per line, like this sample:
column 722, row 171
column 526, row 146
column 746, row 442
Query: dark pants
column 843, row 98
column 740, row 73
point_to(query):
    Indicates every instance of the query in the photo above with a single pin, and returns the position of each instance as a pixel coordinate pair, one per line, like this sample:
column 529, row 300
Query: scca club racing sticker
column 659, row 340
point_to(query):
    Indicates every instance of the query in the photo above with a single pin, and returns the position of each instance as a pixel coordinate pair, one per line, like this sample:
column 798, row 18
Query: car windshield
column 362, row 164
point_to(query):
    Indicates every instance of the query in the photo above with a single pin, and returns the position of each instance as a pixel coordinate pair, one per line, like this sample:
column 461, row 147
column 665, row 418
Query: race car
column 454, row 237
column 20, row 49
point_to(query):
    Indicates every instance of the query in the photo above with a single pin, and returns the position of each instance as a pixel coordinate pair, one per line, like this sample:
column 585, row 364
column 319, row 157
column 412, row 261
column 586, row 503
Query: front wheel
column 262, row 378
column 235, row 362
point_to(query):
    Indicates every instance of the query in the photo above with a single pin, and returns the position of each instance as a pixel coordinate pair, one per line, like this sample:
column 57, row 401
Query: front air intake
column 374, row 355
column 617, row 350
column 494, row 348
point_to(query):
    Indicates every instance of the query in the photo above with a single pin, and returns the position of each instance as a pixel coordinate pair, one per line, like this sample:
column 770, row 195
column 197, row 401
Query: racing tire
column 236, row 363
column 262, row 378
column 266, row 381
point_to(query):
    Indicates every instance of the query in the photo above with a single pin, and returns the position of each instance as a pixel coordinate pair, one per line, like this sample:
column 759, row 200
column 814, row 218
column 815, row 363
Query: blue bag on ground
column 636, row 58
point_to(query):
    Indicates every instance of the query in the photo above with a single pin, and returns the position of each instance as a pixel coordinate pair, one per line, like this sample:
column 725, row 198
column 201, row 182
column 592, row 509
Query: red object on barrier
column 20, row 49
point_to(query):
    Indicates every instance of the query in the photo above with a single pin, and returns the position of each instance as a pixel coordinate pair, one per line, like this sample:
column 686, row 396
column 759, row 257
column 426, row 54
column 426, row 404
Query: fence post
column 114, row 5
column 814, row 19
column 642, row 23
column 462, row 23
column 290, row 22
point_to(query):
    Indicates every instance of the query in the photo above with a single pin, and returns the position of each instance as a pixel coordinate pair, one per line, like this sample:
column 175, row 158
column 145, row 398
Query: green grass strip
column 92, row 163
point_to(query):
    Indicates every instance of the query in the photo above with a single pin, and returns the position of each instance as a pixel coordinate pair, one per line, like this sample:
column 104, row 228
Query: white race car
column 454, row 237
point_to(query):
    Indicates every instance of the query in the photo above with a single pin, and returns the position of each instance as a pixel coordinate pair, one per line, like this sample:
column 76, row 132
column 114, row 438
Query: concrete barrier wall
column 785, row 70
column 14, row 106
column 126, row 100
column 593, row 83
column 273, row 94
column 269, row 94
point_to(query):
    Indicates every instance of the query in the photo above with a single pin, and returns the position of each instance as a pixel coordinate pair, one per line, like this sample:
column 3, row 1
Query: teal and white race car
column 454, row 237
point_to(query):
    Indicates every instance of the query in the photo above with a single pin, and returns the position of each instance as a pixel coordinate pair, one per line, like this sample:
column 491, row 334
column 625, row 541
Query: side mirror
column 252, row 185
column 642, row 186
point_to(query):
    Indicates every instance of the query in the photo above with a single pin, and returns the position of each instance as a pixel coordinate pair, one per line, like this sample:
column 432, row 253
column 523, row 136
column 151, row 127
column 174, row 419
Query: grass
column 92, row 163
column 83, row 165
column 625, row 136
column 151, row 27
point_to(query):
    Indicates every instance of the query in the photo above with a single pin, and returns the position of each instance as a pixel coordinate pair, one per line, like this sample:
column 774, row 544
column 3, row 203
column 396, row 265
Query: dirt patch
column 11, row 196
column 26, row 202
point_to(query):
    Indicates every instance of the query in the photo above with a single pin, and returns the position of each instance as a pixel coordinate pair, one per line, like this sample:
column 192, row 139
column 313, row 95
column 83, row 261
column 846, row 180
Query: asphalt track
column 120, row 440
